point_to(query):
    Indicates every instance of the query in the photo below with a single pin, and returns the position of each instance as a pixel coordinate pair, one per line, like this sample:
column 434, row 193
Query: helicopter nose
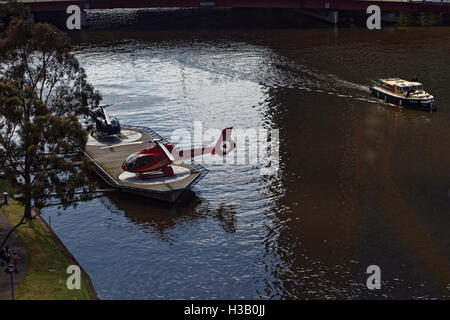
column 126, row 167
column 128, row 164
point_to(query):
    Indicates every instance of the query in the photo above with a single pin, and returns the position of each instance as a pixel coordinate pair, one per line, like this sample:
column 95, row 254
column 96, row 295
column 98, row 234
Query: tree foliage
column 11, row 9
column 38, row 55
column 43, row 91
column 34, row 143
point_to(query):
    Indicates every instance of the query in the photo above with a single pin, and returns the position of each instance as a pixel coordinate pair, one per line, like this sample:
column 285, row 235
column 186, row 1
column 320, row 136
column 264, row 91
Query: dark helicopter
column 105, row 124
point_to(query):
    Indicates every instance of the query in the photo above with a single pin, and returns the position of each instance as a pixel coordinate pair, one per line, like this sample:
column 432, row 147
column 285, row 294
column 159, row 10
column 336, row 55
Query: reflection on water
column 360, row 182
column 142, row 211
column 161, row 217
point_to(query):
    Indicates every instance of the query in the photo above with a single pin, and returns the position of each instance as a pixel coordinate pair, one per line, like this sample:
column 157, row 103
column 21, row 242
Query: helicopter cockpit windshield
column 129, row 162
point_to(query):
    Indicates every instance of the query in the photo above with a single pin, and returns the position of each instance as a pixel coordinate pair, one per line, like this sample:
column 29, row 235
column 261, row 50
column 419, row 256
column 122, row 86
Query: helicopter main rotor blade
column 124, row 144
column 107, row 117
column 163, row 147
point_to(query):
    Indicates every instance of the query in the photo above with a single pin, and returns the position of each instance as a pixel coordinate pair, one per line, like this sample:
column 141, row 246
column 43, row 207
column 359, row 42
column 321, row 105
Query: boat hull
column 419, row 104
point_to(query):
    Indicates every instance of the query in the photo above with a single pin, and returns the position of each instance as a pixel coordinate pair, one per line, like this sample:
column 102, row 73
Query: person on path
column 15, row 261
column 7, row 255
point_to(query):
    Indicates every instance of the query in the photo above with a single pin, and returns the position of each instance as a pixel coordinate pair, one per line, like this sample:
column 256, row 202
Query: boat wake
column 269, row 69
column 302, row 77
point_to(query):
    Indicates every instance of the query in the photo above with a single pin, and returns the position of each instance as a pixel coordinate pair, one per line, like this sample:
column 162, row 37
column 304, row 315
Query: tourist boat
column 408, row 94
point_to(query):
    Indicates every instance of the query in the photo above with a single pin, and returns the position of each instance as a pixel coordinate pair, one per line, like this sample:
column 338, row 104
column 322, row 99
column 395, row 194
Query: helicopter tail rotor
column 225, row 144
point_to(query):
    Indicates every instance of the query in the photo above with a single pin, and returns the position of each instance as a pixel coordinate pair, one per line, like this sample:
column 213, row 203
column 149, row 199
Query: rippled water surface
column 360, row 182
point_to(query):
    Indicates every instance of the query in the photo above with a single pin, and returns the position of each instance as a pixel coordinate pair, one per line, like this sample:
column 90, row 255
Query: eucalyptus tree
column 39, row 56
column 43, row 92
column 34, row 144
column 11, row 9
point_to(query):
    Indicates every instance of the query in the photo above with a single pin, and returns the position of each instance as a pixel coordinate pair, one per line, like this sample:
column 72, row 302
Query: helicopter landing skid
column 165, row 172
column 168, row 171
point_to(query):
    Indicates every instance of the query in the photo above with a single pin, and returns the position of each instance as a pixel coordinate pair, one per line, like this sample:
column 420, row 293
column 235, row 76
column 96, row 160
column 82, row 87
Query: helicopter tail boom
column 223, row 146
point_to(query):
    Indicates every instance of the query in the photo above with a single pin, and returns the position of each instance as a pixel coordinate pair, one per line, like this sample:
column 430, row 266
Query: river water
column 360, row 182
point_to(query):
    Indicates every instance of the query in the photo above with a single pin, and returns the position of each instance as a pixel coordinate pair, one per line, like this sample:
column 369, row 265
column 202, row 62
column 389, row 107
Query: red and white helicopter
column 160, row 157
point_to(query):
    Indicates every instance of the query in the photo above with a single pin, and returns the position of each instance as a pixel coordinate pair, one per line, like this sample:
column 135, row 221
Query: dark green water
column 360, row 182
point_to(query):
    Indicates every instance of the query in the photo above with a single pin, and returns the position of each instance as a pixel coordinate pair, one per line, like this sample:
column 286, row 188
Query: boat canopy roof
column 399, row 82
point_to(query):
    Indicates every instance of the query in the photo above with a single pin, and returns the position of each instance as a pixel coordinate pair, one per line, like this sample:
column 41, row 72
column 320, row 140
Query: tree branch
column 21, row 222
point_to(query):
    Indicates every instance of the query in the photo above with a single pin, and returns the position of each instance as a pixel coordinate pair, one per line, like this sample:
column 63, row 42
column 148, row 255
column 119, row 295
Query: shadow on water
column 199, row 19
column 186, row 18
column 161, row 216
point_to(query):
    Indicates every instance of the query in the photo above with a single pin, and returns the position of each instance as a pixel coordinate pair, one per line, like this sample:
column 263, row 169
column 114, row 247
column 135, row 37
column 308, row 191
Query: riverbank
column 46, row 276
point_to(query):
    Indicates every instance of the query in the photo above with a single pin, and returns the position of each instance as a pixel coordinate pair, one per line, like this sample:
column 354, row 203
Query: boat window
column 419, row 87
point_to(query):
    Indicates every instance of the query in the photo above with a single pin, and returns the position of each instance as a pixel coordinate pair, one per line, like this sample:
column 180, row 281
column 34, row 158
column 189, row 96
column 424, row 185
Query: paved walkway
column 15, row 244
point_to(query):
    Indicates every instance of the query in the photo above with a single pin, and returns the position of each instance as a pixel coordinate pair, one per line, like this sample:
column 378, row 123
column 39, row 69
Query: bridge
column 334, row 5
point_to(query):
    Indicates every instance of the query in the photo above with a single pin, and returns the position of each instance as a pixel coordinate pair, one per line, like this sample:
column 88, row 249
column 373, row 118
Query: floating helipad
column 108, row 154
column 127, row 136
column 152, row 179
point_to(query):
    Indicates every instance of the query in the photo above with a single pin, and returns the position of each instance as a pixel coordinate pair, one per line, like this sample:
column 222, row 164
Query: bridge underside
column 414, row 6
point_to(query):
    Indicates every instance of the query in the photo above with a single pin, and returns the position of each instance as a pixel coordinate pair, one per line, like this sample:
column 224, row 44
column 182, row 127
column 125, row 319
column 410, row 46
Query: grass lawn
column 44, row 255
